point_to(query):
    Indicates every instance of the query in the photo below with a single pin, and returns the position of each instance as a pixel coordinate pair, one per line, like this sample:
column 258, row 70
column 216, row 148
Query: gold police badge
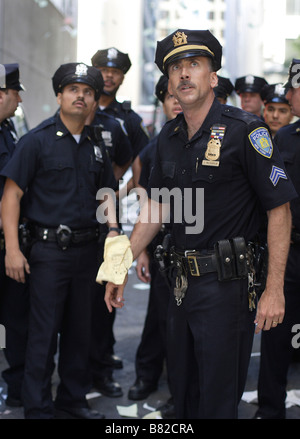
column 179, row 38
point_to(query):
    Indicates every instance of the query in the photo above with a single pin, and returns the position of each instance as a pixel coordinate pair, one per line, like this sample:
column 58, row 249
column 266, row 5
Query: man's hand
column 114, row 295
column 270, row 310
column 16, row 265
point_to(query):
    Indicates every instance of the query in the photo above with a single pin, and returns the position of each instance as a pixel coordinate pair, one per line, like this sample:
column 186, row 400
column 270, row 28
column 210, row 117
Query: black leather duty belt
column 197, row 264
column 64, row 236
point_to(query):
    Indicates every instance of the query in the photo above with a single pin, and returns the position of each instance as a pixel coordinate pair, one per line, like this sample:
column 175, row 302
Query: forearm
column 10, row 213
column 279, row 236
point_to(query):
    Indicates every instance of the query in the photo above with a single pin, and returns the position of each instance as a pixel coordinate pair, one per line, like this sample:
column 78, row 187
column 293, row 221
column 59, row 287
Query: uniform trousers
column 209, row 339
column 151, row 352
column 60, row 303
column 276, row 346
column 14, row 309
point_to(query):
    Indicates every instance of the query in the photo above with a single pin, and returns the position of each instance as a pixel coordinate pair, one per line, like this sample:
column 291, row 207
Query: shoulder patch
column 261, row 141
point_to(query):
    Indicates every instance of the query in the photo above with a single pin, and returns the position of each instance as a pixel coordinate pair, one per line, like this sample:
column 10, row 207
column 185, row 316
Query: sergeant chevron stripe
column 276, row 174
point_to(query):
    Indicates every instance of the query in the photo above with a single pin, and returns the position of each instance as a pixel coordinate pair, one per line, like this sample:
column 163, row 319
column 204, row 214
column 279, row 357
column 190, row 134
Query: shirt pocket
column 168, row 169
column 59, row 172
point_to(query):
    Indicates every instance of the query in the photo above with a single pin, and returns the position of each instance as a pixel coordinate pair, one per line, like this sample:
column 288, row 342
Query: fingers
column 266, row 324
column 114, row 296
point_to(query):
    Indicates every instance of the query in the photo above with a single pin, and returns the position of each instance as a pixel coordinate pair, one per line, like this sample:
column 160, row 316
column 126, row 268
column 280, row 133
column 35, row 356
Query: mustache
column 79, row 100
column 185, row 82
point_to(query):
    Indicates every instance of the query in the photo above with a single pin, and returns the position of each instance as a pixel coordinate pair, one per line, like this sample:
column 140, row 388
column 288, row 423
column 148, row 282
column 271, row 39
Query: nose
column 184, row 72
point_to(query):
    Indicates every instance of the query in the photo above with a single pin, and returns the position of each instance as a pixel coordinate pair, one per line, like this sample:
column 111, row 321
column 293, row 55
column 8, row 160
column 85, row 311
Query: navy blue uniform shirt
column 288, row 141
column 132, row 123
column 250, row 172
column 60, row 175
column 115, row 138
column 7, row 147
column 147, row 157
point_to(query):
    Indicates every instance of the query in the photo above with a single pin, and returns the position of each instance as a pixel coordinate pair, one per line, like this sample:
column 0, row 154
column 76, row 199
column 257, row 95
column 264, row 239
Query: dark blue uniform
column 210, row 334
column 131, row 122
column 276, row 345
column 14, row 300
column 61, row 178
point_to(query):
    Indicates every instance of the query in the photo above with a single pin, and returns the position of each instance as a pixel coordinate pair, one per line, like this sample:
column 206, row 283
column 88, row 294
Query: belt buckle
column 192, row 261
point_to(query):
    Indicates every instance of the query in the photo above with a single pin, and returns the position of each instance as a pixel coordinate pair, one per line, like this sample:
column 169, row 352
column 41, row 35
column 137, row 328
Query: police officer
column 277, row 111
column 224, row 89
column 114, row 65
column 61, row 168
column 151, row 352
column 14, row 296
column 229, row 155
column 276, row 346
column 248, row 88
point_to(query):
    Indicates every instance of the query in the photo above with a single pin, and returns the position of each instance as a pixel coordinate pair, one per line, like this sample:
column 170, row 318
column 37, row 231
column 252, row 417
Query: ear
column 58, row 98
column 213, row 79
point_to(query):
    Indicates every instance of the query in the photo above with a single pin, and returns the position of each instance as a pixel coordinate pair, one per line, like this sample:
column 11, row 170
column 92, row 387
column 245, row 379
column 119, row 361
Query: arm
column 271, row 305
column 143, row 233
column 15, row 261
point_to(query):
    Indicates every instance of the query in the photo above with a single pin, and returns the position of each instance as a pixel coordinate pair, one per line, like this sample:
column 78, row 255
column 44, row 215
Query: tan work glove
column 117, row 260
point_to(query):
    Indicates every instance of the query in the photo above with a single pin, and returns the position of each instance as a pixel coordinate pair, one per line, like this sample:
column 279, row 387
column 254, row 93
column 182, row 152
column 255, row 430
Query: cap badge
column 112, row 53
column 279, row 90
column 179, row 39
column 81, row 70
column 249, row 79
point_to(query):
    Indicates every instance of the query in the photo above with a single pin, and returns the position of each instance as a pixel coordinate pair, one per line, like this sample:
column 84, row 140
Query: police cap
column 78, row 72
column 186, row 43
column 273, row 93
column 9, row 77
column 293, row 80
column 161, row 88
column 112, row 57
column 224, row 88
column 249, row 84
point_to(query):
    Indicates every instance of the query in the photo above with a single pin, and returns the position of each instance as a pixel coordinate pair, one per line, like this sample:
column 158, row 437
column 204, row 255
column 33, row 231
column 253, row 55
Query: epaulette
column 44, row 124
column 238, row 113
column 126, row 105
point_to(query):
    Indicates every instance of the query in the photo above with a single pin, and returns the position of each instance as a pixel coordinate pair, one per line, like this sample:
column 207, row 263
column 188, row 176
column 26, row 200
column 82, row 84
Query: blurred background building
column 258, row 36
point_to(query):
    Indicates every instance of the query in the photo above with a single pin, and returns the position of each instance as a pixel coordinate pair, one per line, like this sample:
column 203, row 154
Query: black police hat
column 9, row 77
column 293, row 80
column 224, row 88
column 249, row 84
column 78, row 72
column 186, row 43
column 112, row 57
column 161, row 88
column 273, row 93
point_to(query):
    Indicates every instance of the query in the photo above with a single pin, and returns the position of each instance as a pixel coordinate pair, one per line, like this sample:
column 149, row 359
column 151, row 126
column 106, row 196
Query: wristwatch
column 116, row 229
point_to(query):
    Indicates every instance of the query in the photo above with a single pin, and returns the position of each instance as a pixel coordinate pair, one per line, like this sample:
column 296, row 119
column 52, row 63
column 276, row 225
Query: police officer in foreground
column 223, row 90
column 248, row 88
column 61, row 168
column 14, row 301
column 277, row 111
column 276, row 346
column 229, row 154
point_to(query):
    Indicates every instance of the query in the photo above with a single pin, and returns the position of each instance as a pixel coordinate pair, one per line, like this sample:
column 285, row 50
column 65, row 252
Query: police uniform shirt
column 249, row 172
column 132, row 123
column 62, row 176
column 147, row 157
column 115, row 138
column 288, row 141
column 7, row 147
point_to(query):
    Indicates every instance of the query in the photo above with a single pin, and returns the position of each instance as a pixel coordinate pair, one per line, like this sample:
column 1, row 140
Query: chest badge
column 213, row 150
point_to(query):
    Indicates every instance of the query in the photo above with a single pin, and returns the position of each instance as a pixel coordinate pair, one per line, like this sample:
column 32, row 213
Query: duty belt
column 197, row 264
column 64, row 236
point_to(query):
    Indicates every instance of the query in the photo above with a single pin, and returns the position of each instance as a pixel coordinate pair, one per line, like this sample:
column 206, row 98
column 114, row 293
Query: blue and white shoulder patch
column 261, row 141
column 276, row 174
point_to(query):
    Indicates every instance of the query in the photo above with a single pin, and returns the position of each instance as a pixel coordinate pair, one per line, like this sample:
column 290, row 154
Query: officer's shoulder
column 241, row 115
column 292, row 128
column 45, row 124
